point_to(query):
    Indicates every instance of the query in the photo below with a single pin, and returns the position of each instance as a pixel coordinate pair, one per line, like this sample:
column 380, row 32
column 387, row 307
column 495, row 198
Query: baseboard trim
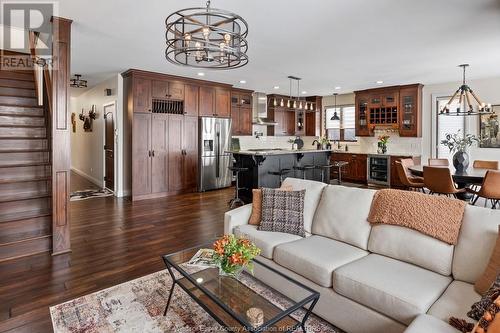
column 88, row 177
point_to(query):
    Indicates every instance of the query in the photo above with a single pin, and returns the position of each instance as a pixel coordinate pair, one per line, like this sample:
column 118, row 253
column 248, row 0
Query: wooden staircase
column 25, row 168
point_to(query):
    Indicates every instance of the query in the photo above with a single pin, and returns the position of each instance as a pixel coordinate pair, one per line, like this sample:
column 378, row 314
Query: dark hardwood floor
column 113, row 241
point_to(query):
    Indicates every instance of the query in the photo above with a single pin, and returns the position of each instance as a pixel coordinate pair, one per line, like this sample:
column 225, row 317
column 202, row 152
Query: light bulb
column 222, row 46
column 187, row 37
column 300, row 105
column 294, row 104
column 275, row 102
column 288, row 103
column 227, row 38
column 206, row 32
column 197, row 45
column 282, row 103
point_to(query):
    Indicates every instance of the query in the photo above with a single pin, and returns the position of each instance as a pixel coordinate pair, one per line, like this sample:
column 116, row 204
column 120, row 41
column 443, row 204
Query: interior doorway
column 110, row 143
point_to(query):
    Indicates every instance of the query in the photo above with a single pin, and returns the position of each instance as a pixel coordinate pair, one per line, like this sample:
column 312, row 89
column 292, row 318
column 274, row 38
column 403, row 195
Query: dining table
column 471, row 176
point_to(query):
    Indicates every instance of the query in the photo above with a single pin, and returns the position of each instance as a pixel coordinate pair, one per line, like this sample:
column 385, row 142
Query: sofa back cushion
column 342, row 214
column 475, row 243
column 412, row 247
column 311, row 198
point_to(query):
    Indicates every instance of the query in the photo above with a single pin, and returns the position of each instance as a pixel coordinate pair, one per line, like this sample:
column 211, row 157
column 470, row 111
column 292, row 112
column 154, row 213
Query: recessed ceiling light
column 201, row 74
column 337, row 88
column 243, row 81
column 304, row 92
column 380, row 82
column 276, row 87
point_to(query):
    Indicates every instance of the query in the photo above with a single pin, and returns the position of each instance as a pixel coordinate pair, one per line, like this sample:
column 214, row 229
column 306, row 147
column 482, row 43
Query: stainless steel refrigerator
column 215, row 138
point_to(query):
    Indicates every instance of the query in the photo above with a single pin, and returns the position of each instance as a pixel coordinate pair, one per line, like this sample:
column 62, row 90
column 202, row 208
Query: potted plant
column 232, row 254
column 382, row 143
column 324, row 142
column 458, row 145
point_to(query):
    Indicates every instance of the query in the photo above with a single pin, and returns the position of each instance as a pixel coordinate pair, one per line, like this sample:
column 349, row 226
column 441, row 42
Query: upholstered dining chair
column 409, row 181
column 438, row 162
column 439, row 181
column 480, row 164
column 490, row 189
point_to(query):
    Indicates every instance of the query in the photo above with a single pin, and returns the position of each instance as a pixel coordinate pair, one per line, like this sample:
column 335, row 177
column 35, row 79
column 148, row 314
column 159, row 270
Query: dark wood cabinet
column 355, row 170
column 207, row 101
column 285, row 122
column 190, row 144
column 397, row 108
column 175, row 149
column 159, row 153
column 162, row 89
column 142, row 95
column 191, row 100
column 141, row 152
column 222, row 103
column 241, row 112
column 313, row 123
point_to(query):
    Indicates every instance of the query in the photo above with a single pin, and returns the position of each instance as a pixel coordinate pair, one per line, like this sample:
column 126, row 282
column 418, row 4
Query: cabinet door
column 361, row 167
column 175, row 157
column 207, row 101
column 159, row 89
column 390, row 98
column 235, row 120
column 279, row 128
column 245, row 121
column 362, row 114
column 290, row 122
column 190, row 174
column 176, row 90
column 409, row 112
column 223, row 103
column 141, row 160
column 142, row 95
column 191, row 100
column 311, row 124
column 159, row 156
column 246, row 100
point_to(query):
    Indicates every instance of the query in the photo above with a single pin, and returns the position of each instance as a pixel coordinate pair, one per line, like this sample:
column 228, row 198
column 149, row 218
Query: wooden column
column 61, row 149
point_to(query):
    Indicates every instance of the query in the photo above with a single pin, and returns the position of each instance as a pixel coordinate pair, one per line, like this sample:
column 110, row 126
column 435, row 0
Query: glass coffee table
column 227, row 299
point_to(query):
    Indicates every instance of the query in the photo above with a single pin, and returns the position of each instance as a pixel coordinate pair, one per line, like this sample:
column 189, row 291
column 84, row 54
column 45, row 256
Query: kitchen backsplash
column 396, row 143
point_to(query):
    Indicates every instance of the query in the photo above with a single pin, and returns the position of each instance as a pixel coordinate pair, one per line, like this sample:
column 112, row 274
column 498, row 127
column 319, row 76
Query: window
column 343, row 129
column 445, row 125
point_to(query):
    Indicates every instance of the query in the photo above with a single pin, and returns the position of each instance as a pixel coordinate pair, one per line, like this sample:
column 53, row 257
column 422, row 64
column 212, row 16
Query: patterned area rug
column 137, row 306
column 92, row 193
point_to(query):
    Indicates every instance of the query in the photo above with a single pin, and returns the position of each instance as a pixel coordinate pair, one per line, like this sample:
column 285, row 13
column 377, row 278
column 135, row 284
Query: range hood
column 259, row 110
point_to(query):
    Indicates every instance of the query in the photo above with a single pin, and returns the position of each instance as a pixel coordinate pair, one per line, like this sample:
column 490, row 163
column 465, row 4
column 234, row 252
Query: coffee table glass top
column 228, row 299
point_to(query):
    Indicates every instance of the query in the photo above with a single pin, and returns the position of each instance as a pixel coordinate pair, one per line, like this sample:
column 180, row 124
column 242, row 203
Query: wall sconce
column 88, row 118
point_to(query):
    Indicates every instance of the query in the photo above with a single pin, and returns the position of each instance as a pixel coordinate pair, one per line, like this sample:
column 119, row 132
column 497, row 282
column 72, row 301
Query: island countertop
column 277, row 151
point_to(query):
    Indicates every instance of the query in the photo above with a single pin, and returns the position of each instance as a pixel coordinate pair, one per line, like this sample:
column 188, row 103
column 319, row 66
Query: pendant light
column 335, row 115
column 465, row 97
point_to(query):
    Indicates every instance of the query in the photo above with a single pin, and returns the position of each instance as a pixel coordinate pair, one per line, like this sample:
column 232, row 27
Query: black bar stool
column 304, row 169
column 323, row 169
column 281, row 173
column 339, row 165
column 236, row 200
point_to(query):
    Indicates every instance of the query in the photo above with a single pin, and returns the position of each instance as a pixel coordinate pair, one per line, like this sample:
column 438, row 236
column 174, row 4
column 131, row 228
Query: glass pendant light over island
column 294, row 102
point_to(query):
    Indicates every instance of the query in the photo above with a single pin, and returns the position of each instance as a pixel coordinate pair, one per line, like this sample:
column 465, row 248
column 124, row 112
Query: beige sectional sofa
column 373, row 279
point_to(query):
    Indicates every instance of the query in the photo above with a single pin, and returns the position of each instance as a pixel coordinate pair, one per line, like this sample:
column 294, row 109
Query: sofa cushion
column 311, row 199
column 455, row 302
column 316, row 257
column 266, row 241
column 429, row 324
column 475, row 243
column 397, row 289
column 342, row 214
column 411, row 246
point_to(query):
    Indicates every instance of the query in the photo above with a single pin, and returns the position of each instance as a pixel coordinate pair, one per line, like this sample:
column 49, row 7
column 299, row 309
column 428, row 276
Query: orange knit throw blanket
column 438, row 217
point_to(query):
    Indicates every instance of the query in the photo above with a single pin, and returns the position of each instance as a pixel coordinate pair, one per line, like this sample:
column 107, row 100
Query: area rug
column 91, row 193
column 137, row 306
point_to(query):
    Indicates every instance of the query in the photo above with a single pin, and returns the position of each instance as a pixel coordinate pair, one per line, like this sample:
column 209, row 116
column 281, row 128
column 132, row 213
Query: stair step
column 39, row 205
column 21, row 145
column 17, row 158
column 25, row 229
column 35, row 111
column 24, row 165
column 21, row 125
column 27, row 150
column 17, row 83
column 18, row 100
column 26, row 247
column 25, row 171
column 31, row 187
column 28, row 92
column 24, row 180
column 23, row 215
column 17, row 75
column 24, row 196
column 22, row 133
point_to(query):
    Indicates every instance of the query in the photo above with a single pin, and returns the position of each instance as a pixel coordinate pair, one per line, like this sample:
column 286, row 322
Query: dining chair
column 409, row 181
column 480, row 164
column 438, row 162
column 490, row 189
column 439, row 181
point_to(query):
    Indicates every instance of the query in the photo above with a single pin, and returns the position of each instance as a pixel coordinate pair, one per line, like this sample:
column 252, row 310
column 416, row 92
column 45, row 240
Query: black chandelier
column 206, row 38
column 76, row 82
column 466, row 97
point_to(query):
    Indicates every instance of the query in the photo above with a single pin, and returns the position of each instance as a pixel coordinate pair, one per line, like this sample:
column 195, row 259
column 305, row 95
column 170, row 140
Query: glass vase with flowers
column 233, row 254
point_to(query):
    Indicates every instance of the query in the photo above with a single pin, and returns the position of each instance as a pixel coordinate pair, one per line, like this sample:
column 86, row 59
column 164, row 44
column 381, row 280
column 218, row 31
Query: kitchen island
column 261, row 162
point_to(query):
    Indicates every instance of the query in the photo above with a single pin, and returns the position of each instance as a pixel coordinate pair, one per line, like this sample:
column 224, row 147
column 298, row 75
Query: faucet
column 318, row 145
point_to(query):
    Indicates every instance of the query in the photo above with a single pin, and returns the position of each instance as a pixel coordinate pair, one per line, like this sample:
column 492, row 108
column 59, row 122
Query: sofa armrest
column 236, row 217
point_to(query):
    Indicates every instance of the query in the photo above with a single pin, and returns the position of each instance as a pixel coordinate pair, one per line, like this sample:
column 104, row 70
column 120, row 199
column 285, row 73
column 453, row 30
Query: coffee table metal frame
column 313, row 298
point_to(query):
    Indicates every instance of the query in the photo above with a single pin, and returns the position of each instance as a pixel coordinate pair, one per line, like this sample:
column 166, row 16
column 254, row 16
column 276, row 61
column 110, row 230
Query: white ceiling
column 329, row 43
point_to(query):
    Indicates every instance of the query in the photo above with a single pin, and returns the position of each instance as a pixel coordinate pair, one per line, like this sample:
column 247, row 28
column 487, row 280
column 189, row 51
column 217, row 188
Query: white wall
column 87, row 155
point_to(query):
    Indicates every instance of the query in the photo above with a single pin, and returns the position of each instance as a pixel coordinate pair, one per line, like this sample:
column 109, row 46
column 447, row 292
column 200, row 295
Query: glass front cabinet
column 410, row 100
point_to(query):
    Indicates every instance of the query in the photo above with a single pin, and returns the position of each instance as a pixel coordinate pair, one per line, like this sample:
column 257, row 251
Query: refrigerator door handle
column 217, row 157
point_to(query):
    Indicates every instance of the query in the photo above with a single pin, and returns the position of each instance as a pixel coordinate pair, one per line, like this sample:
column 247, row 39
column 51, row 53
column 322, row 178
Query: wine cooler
column 379, row 169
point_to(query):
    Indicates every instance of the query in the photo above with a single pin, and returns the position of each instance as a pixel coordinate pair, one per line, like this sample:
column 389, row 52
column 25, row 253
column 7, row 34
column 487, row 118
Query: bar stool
column 339, row 165
column 304, row 169
column 323, row 169
column 236, row 200
column 281, row 173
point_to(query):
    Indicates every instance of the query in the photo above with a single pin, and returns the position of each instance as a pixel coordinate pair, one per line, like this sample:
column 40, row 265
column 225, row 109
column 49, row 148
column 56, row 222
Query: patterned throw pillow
column 479, row 307
column 283, row 211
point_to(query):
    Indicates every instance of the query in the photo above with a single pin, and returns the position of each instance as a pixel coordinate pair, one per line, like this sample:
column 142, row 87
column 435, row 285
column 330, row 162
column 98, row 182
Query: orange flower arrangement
column 232, row 254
